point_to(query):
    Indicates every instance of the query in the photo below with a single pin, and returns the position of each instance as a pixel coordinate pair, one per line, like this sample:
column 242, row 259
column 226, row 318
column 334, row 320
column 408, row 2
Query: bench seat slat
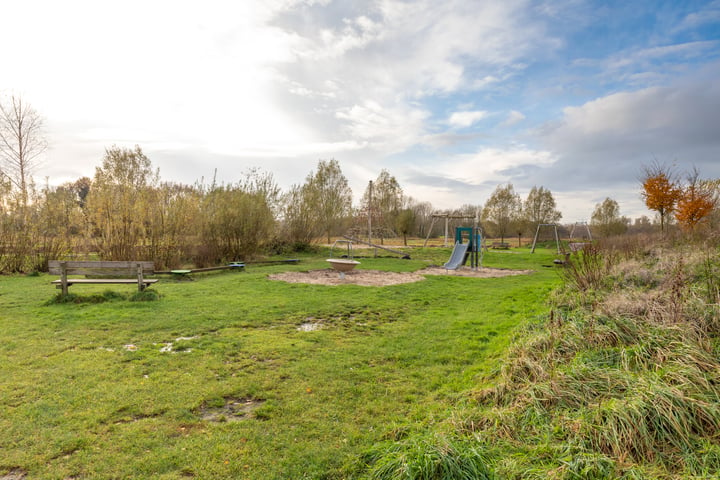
column 88, row 267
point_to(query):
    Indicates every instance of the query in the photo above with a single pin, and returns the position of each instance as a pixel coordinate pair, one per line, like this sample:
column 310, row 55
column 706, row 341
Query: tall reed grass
column 629, row 389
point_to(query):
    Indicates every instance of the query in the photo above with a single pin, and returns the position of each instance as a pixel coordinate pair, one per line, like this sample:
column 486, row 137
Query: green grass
column 86, row 392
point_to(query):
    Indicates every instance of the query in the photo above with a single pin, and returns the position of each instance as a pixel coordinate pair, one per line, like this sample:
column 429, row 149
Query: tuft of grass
column 106, row 296
column 147, row 295
column 708, row 275
column 588, row 269
column 428, row 457
column 589, row 466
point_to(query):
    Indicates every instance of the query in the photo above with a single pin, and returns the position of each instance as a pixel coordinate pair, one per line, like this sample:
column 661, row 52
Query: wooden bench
column 501, row 245
column 109, row 272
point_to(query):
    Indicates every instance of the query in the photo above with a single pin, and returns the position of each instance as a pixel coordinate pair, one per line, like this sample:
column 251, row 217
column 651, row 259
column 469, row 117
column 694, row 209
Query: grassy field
column 215, row 379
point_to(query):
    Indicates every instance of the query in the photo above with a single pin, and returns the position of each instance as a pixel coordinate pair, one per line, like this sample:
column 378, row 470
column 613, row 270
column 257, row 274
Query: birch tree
column 21, row 143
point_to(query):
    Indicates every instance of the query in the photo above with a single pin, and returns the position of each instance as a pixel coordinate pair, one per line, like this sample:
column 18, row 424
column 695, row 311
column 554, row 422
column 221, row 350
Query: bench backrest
column 100, row 268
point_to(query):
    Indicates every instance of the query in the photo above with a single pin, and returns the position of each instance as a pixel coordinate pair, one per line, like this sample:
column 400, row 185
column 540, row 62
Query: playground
column 346, row 270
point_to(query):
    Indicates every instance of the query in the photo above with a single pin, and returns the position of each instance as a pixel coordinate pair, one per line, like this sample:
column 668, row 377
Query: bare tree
column 383, row 199
column 21, row 142
column 423, row 216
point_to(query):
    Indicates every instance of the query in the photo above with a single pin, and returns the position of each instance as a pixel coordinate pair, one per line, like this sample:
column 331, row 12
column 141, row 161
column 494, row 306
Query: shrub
column 588, row 269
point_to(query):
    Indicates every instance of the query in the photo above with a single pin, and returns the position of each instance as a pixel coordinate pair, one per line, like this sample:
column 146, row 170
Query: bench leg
column 63, row 278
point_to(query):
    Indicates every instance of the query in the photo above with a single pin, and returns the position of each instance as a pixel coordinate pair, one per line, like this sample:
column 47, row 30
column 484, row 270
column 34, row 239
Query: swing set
column 574, row 246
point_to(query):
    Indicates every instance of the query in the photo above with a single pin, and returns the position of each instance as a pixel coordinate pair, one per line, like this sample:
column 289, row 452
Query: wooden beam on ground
column 396, row 252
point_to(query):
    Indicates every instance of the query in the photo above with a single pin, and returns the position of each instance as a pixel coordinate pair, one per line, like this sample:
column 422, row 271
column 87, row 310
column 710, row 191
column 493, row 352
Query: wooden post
column 369, row 212
column 447, row 220
column 63, row 278
column 141, row 282
column 537, row 232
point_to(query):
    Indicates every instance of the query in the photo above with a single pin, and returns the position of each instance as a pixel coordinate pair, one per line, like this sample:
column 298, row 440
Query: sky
column 452, row 97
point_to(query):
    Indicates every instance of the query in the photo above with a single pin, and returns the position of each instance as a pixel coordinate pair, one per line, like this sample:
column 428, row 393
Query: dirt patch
column 377, row 278
column 15, row 474
column 234, row 410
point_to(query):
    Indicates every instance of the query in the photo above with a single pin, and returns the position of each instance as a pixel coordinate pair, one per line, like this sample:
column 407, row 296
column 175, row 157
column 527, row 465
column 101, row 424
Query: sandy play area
column 376, row 278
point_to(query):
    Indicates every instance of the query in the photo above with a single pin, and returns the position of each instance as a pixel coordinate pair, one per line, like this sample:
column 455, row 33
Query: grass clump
column 428, row 457
column 588, row 269
column 147, row 295
column 106, row 296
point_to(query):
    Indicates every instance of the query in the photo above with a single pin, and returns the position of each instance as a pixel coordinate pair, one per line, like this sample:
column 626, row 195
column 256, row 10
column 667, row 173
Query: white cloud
column 491, row 165
column 687, row 108
column 708, row 15
column 393, row 128
column 653, row 65
column 466, row 118
column 642, row 57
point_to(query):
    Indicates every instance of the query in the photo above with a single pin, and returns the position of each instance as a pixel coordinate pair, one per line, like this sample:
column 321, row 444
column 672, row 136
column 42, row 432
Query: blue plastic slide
column 458, row 256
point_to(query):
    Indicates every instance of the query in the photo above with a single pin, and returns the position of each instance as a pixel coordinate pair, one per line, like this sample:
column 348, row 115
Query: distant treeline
column 126, row 212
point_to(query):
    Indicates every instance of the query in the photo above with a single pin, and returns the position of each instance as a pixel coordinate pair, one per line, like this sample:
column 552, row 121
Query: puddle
column 168, row 347
column 309, row 327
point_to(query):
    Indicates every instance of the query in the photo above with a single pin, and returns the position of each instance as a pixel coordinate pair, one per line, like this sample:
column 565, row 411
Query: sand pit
column 377, row 278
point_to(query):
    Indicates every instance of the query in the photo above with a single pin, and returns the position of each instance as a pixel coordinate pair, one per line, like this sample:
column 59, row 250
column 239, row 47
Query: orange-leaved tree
column 661, row 191
column 695, row 203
